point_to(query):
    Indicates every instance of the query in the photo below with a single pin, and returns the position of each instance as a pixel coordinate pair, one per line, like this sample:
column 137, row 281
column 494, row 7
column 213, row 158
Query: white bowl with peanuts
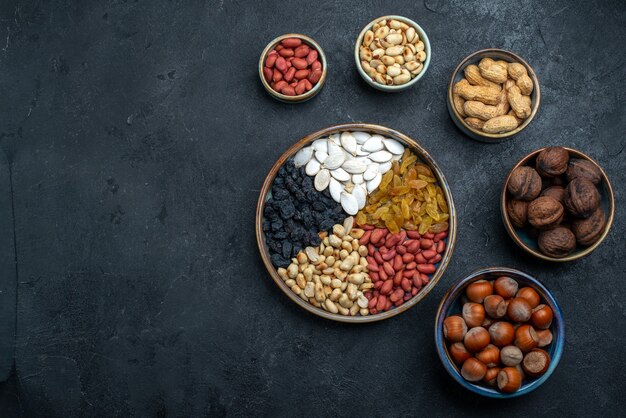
column 493, row 95
column 392, row 53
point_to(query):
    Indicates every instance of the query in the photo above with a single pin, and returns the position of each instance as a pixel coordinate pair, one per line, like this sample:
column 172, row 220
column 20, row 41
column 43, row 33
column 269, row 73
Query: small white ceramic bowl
column 384, row 87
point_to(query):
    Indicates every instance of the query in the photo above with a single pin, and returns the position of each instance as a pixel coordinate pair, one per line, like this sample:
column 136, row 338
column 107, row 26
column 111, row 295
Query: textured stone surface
column 137, row 135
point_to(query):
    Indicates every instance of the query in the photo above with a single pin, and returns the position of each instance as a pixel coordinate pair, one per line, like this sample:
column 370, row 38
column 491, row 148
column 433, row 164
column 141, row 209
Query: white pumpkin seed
column 361, row 152
column 384, row 167
column 361, row 137
column 334, row 149
column 393, row 146
column 340, row 174
column 334, row 161
column 303, row 156
column 320, row 145
column 374, row 183
column 321, row 156
column 348, row 142
column 313, row 167
column 348, row 223
column 381, row 156
column 336, row 138
column 371, row 172
column 335, row 188
column 360, row 194
column 354, row 166
column 396, row 157
column 374, row 144
column 349, row 203
column 357, row 178
column 322, row 179
column 364, row 160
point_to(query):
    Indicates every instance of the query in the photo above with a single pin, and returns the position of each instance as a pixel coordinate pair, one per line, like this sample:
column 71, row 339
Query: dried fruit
column 581, row 197
column 557, row 242
column 544, row 212
column 407, row 197
column 552, row 161
column 524, row 183
column 588, row 231
column 295, row 213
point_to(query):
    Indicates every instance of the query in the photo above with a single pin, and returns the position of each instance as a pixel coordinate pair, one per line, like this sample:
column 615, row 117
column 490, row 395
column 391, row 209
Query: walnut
column 583, row 168
column 581, row 197
column 524, row 183
column 557, row 242
column 555, row 192
column 517, row 212
column 545, row 212
column 588, row 231
column 552, row 161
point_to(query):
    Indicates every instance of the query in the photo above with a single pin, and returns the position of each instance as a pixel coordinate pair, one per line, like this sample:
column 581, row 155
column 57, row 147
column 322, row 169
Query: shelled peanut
column 493, row 96
column 333, row 276
column 399, row 264
column 292, row 67
column 392, row 53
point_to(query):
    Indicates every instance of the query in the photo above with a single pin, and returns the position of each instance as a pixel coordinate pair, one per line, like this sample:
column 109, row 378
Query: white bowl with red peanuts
column 293, row 68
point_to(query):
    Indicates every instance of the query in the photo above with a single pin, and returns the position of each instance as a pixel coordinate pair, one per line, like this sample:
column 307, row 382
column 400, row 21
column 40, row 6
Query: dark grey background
column 135, row 137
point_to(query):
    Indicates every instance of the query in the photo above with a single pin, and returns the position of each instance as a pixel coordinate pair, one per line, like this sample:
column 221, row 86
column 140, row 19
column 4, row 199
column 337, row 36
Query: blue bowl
column 451, row 305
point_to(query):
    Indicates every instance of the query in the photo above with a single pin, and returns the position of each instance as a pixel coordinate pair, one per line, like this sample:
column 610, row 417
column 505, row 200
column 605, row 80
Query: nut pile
column 499, row 336
column 399, row 264
column 408, row 197
column 292, row 67
column 376, row 265
column 558, row 201
column 332, row 276
column 494, row 96
column 295, row 213
column 350, row 165
column 392, row 53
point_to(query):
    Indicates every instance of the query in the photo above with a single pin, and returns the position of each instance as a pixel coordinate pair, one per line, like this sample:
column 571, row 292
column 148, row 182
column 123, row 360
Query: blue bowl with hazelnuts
column 499, row 332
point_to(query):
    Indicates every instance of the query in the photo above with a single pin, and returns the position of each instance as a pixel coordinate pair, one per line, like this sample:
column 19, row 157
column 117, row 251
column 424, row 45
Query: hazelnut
column 581, row 197
column 544, row 212
column 552, row 161
column 557, row 242
column 536, row 362
column 588, row 231
column 579, row 168
column 524, row 183
column 517, row 212
column 555, row 192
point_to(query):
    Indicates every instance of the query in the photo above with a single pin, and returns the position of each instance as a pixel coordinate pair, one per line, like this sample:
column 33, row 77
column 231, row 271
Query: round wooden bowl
column 304, row 96
column 425, row 158
column 451, row 304
column 457, row 74
column 528, row 243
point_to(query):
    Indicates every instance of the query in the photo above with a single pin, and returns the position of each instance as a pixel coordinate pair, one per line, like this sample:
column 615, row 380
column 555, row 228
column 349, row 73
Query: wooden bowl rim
column 531, row 74
column 510, row 229
column 302, row 97
column 424, row 156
